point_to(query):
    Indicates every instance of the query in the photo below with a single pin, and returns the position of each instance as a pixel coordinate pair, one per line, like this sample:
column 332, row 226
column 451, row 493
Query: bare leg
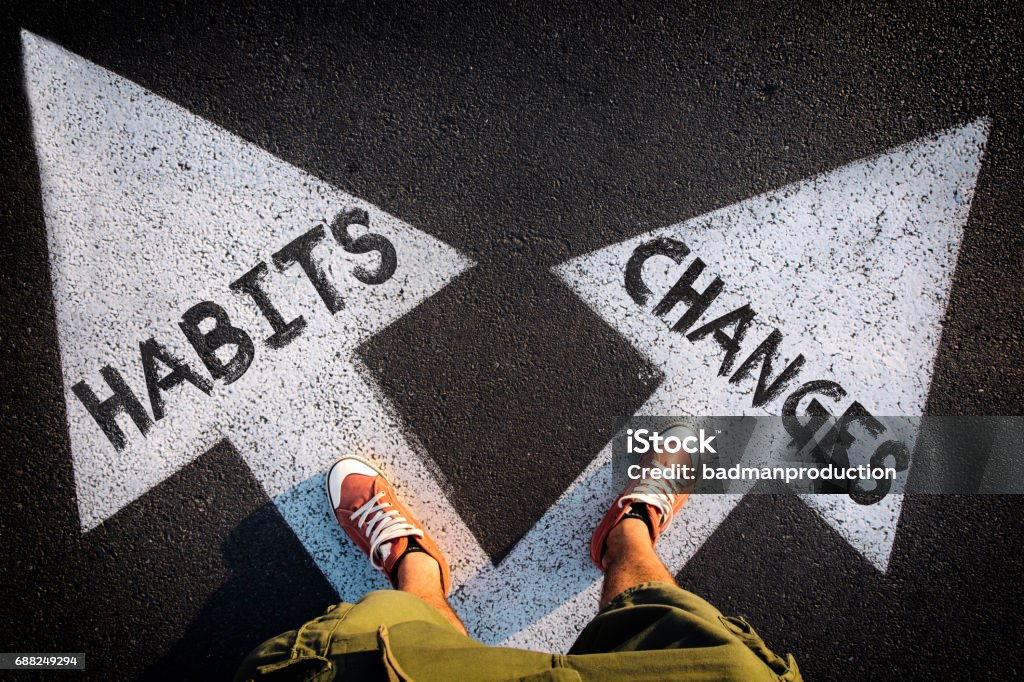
column 629, row 559
column 418, row 574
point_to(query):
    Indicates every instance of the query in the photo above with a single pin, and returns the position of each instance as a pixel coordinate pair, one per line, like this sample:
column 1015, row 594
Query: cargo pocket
column 307, row 652
column 299, row 669
column 553, row 675
column 298, row 654
column 394, row 671
column 785, row 668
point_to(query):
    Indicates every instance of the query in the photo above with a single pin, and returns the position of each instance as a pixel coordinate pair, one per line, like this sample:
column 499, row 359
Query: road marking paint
column 853, row 266
column 150, row 210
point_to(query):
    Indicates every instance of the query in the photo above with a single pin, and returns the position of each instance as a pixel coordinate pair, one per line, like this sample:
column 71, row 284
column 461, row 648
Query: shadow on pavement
column 269, row 590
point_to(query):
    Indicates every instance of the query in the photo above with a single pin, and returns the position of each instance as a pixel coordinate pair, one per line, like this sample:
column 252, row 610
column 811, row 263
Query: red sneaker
column 658, row 495
column 371, row 514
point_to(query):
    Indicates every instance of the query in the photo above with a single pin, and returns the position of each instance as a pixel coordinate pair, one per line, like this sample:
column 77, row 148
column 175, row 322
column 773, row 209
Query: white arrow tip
column 30, row 39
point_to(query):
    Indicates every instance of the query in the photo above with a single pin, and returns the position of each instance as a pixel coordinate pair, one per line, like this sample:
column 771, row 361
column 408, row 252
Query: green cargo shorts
column 653, row 631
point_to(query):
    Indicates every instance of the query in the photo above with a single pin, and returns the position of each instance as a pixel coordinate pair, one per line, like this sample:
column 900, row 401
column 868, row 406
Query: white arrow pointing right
column 852, row 267
column 150, row 209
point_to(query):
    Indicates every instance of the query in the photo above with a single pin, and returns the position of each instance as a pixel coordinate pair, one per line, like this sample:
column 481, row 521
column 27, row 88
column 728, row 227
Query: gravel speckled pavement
column 493, row 145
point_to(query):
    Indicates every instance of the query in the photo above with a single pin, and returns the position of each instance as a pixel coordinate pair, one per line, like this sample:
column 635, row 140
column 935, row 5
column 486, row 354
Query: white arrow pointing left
column 150, row 210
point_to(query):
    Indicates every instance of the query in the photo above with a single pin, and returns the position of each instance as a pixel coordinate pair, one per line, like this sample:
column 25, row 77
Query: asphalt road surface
column 490, row 146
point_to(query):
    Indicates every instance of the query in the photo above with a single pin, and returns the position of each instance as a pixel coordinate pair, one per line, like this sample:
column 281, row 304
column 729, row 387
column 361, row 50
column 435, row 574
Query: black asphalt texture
column 524, row 135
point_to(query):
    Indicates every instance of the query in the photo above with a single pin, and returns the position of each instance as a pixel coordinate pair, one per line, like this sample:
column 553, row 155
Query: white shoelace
column 382, row 526
column 656, row 493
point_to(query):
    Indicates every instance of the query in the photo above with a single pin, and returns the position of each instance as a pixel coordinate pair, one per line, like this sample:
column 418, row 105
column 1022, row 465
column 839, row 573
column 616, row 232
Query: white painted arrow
column 853, row 267
column 149, row 210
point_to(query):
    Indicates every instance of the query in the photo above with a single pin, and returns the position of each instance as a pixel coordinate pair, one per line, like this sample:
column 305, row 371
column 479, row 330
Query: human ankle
column 419, row 573
column 628, row 537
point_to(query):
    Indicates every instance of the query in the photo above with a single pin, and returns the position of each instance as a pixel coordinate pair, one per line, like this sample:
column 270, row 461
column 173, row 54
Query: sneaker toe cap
column 341, row 470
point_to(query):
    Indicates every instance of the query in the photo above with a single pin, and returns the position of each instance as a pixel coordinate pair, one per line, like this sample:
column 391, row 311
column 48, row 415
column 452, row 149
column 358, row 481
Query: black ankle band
column 639, row 510
column 411, row 546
